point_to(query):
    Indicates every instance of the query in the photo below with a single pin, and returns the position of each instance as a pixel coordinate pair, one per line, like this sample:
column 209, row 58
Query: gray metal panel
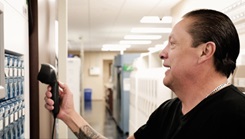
column 118, row 61
column 121, row 60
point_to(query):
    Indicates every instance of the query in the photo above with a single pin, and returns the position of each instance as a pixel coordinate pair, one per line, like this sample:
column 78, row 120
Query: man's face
column 179, row 56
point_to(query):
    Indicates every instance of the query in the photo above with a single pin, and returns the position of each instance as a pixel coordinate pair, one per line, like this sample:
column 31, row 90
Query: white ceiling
column 98, row 22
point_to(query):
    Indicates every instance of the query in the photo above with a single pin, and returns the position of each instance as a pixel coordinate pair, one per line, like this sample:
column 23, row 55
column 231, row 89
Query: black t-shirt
column 220, row 116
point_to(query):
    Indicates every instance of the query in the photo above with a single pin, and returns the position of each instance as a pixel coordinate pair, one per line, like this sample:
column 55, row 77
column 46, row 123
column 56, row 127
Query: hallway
column 98, row 117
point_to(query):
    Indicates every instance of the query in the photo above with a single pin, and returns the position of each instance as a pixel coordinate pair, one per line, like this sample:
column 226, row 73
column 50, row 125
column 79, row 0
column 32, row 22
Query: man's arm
column 68, row 114
column 81, row 128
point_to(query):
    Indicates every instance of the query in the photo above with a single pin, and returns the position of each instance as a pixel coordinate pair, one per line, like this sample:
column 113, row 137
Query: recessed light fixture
column 151, row 30
column 143, row 37
column 156, row 19
column 135, row 42
column 114, row 47
column 167, row 19
column 161, row 46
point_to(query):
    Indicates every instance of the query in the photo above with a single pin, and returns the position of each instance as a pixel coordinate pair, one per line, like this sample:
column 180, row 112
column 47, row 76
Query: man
column 200, row 56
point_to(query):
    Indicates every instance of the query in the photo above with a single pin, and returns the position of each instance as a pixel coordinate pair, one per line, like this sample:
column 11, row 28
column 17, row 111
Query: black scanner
column 48, row 75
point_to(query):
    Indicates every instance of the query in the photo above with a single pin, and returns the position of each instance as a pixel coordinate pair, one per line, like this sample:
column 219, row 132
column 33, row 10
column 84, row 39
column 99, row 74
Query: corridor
column 96, row 114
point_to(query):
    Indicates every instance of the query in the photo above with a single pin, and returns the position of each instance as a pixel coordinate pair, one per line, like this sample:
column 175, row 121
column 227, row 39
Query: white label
column 6, row 61
column 10, row 61
column 6, row 121
column 22, row 72
column 19, row 72
column 11, row 72
column 6, row 70
column 23, row 112
column 16, row 116
column 1, row 124
column 19, row 114
column 126, row 84
column 11, row 118
column 15, row 72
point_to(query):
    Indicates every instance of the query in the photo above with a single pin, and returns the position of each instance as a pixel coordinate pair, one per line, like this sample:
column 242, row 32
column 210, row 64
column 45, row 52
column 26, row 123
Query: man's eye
column 172, row 44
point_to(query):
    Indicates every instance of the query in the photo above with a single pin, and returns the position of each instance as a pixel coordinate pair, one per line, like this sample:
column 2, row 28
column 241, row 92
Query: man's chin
column 166, row 82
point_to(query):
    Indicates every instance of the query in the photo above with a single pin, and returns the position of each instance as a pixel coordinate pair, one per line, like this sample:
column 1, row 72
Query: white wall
column 95, row 82
column 46, row 22
column 187, row 5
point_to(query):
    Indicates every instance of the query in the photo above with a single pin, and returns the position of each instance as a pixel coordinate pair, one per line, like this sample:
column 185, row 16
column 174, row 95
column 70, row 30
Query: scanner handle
column 55, row 97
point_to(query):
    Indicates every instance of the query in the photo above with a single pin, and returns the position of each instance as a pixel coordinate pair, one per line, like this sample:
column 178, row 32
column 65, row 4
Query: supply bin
column 87, row 94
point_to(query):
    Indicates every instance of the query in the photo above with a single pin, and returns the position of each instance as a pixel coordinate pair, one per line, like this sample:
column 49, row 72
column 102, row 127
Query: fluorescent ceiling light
column 167, row 19
column 114, row 47
column 156, row 19
column 143, row 37
column 158, row 47
column 151, row 30
column 150, row 19
column 161, row 46
column 135, row 42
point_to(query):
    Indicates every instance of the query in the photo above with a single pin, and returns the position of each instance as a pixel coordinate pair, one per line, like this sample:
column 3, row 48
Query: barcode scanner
column 48, row 75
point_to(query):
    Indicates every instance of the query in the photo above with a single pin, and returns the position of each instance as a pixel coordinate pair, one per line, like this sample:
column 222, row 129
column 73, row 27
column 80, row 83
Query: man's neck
column 192, row 94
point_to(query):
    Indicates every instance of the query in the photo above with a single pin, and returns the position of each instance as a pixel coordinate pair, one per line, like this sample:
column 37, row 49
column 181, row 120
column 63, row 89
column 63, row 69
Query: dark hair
column 211, row 25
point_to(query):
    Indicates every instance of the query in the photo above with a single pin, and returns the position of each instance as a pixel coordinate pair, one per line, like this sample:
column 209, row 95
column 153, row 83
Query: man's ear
column 208, row 50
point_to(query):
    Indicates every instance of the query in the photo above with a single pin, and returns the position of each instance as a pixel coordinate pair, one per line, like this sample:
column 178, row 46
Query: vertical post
column 81, row 83
column 34, row 67
column 62, row 56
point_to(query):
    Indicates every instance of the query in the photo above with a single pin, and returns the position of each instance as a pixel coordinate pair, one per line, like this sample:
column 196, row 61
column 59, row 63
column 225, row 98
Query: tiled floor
column 98, row 117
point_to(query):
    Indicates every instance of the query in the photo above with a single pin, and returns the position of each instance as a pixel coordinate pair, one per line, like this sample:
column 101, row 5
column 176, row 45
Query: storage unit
column 87, row 94
column 73, row 81
column 121, row 79
column 147, row 91
column 239, row 78
column 14, row 60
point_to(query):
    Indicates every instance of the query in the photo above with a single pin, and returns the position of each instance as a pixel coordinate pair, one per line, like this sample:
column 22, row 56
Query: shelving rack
column 147, row 91
column 14, row 60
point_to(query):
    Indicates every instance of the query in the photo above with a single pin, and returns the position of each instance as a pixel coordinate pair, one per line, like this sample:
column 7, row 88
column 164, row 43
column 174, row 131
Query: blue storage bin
column 87, row 94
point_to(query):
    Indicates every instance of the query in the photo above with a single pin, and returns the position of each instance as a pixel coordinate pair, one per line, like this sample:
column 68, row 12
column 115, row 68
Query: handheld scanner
column 47, row 75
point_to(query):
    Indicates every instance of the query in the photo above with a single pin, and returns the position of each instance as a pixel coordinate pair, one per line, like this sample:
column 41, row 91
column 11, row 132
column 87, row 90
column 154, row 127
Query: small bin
column 87, row 94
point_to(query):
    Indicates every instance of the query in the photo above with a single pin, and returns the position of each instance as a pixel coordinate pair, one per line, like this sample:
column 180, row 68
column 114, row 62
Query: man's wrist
column 68, row 118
